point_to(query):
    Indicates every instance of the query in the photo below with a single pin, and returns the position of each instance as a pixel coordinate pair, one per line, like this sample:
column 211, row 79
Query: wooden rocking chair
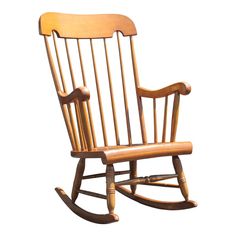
column 63, row 30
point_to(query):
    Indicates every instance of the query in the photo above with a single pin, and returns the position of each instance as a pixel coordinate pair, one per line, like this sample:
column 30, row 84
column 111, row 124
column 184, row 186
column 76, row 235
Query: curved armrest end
column 184, row 88
column 181, row 87
column 80, row 93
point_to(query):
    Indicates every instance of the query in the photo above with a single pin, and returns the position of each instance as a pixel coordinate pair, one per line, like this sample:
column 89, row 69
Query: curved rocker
column 95, row 218
column 155, row 203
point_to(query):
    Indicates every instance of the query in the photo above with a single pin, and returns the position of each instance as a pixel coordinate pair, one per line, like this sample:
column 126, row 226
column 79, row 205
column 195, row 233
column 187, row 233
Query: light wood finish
column 175, row 115
column 155, row 121
column 78, row 179
column 165, row 120
column 147, row 179
column 80, row 126
column 70, row 65
column 86, row 126
column 145, row 151
column 95, row 218
column 76, row 103
column 124, row 92
column 133, row 175
column 59, row 66
column 68, row 114
column 139, row 99
column 92, row 194
column 57, row 86
column 181, row 88
column 110, row 178
column 124, row 172
column 99, row 96
column 111, row 94
column 95, row 152
column 80, row 93
column 181, row 177
column 157, row 184
column 96, row 26
column 70, row 126
column 88, row 101
column 63, row 36
column 64, row 88
column 138, row 152
column 155, row 203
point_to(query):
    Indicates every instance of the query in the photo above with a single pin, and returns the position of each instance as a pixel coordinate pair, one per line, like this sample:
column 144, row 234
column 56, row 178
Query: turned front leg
column 110, row 178
column 181, row 177
column 78, row 179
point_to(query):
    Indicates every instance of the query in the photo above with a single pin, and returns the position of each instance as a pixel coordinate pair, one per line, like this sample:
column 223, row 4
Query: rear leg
column 133, row 174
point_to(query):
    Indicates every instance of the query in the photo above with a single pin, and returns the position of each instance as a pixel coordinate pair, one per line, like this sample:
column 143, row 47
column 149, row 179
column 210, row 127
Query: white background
column 192, row 41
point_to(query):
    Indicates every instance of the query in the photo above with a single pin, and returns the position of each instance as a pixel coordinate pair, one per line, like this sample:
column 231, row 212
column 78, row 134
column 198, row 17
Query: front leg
column 110, row 178
column 181, row 177
column 78, row 179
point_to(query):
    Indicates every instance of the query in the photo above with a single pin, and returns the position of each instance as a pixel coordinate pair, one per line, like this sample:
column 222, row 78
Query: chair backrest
column 80, row 48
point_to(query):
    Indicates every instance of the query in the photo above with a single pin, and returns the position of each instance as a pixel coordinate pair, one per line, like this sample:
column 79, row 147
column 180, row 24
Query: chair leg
column 133, row 174
column 96, row 218
column 110, row 188
column 78, row 179
column 181, row 177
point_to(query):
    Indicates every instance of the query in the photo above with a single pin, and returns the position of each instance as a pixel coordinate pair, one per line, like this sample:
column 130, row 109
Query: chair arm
column 80, row 93
column 182, row 88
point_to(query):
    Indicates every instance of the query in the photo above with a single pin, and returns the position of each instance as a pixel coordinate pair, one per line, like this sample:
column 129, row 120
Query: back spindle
column 175, row 115
column 88, row 102
column 165, row 120
column 77, row 109
column 111, row 94
column 124, row 91
column 155, row 121
column 70, row 114
column 70, row 64
column 99, row 95
column 59, row 65
column 66, row 111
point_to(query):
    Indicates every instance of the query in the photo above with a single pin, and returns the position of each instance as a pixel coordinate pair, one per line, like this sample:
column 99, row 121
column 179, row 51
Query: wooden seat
column 93, row 64
column 110, row 155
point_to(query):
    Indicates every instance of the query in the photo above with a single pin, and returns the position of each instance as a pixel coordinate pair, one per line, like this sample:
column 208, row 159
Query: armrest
column 80, row 93
column 182, row 88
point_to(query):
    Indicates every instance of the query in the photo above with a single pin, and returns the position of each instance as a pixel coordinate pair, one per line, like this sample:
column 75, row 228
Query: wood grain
column 110, row 178
column 182, row 88
column 78, row 179
column 139, row 99
column 89, row 216
column 133, row 175
column 156, row 203
column 97, row 26
column 78, row 113
column 181, row 177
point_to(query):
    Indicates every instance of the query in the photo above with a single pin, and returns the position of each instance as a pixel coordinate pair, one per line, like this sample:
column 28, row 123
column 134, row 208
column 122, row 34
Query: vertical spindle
column 99, row 96
column 67, row 112
column 88, row 102
column 111, row 94
column 155, row 121
column 175, row 115
column 165, row 120
column 124, row 92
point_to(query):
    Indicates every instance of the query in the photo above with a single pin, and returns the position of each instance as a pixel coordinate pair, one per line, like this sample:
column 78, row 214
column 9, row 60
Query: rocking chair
column 79, row 105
